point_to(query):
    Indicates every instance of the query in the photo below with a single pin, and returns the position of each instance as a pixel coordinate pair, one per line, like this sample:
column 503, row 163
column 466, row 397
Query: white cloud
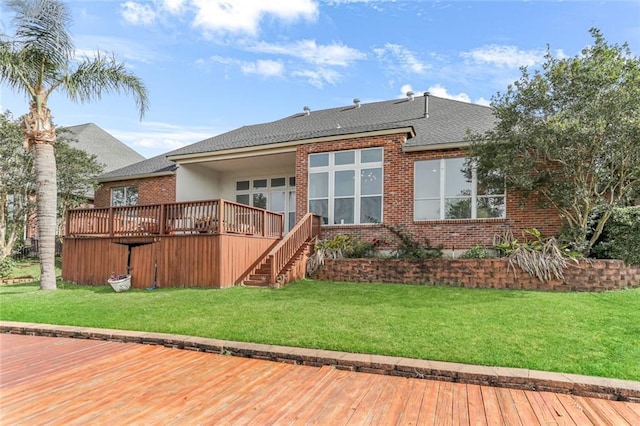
column 138, row 14
column 173, row 6
column 331, row 54
column 319, row 76
column 262, row 67
column 154, row 138
column 505, row 56
column 124, row 49
column 401, row 57
column 246, row 16
column 441, row 92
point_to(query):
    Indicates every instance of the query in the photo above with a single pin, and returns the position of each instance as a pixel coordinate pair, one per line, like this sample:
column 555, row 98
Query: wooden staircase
column 286, row 262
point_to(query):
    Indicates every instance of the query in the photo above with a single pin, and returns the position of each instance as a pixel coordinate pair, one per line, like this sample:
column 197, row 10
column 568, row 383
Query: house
column 397, row 162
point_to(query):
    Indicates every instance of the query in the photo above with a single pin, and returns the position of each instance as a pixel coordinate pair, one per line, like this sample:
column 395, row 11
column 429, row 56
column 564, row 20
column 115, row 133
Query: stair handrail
column 307, row 228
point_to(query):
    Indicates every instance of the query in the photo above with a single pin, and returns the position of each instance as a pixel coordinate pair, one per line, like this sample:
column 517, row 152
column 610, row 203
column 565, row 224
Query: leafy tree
column 76, row 174
column 17, row 182
column 77, row 171
column 37, row 61
column 569, row 134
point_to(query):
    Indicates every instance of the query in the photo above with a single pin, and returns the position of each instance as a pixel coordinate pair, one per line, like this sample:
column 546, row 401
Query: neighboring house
column 109, row 151
column 397, row 162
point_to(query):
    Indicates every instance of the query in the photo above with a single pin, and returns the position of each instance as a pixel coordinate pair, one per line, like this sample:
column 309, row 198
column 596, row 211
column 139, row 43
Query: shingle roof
column 109, row 151
column 447, row 122
column 157, row 164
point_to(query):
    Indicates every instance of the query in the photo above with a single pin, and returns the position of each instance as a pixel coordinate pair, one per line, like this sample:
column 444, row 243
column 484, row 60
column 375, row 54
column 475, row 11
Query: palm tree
column 38, row 60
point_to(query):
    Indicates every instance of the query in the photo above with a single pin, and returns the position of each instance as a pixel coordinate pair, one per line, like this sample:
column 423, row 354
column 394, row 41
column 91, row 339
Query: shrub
column 6, row 266
column 541, row 257
column 338, row 247
column 621, row 236
column 478, row 251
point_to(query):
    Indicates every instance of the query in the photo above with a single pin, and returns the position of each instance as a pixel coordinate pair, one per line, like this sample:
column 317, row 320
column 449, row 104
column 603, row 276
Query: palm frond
column 42, row 31
column 104, row 74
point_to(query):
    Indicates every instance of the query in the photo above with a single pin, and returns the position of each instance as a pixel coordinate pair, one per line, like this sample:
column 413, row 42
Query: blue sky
column 211, row 65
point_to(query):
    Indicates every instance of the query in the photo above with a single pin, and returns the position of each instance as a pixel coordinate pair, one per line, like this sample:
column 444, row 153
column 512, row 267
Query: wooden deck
column 46, row 380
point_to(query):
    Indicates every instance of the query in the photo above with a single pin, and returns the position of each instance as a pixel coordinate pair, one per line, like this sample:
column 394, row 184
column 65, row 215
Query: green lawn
column 585, row 333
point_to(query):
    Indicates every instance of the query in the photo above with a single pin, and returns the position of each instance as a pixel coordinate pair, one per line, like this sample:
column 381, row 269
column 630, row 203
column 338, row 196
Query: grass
column 30, row 268
column 584, row 333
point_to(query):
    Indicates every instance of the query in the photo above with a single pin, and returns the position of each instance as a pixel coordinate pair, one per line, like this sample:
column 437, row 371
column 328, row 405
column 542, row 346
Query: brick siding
column 151, row 190
column 588, row 275
column 398, row 199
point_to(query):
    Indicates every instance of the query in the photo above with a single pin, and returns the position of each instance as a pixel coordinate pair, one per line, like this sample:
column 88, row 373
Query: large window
column 345, row 187
column 443, row 191
column 124, row 196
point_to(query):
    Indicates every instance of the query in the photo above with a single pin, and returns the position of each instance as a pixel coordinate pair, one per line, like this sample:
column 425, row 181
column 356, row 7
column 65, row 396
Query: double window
column 442, row 190
column 124, row 196
column 345, row 187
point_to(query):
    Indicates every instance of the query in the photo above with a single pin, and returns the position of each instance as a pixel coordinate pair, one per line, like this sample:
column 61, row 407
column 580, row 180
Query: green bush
column 621, row 236
column 476, row 252
column 6, row 266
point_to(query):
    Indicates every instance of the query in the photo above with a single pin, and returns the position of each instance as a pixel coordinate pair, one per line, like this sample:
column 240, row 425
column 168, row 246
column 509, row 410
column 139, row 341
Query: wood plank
column 633, row 406
column 475, row 403
column 562, row 417
column 429, row 403
column 574, row 409
column 491, row 405
column 507, row 407
column 411, row 410
column 615, row 411
column 523, row 407
column 540, row 407
column 460, row 405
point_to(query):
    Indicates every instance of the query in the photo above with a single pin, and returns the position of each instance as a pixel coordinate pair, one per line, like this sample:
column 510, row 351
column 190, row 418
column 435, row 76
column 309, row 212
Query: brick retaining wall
column 588, row 275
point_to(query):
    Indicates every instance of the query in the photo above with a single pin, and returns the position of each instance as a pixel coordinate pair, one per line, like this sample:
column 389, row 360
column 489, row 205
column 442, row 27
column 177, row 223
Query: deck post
column 110, row 221
column 264, row 223
column 221, row 216
column 163, row 218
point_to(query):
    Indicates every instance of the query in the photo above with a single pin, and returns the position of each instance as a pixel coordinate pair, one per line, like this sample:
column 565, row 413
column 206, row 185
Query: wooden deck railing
column 206, row 216
column 283, row 252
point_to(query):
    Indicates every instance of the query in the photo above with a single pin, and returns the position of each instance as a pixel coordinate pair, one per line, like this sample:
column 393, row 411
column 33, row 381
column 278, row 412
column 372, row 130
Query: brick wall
column 151, row 190
column 398, row 199
column 591, row 275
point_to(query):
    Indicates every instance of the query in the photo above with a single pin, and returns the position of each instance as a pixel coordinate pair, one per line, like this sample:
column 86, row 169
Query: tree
column 569, row 135
column 37, row 61
column 17, row 182
column 76, row 174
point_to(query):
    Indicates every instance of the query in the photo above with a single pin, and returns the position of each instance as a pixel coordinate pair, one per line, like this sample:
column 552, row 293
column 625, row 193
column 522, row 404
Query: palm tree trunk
column 40, row 136
column 45, row 166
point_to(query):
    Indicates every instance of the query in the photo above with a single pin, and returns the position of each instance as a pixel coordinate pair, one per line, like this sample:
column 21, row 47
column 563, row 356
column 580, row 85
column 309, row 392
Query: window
column 124, row 196
column 345, row 187
column 443, row 191
column 277, row 194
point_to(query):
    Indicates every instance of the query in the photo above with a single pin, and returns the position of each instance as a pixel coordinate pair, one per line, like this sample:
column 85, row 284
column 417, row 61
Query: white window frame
column 126, row 189
column 474, row 197
column 287, row 189
column 357, row 167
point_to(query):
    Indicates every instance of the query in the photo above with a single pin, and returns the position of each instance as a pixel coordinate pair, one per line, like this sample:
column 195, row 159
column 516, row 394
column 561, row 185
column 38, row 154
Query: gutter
column 139, row 176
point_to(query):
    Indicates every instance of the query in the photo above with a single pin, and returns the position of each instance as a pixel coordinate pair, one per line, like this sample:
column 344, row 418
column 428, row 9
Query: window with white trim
column 345, row 187
column 124, row 196
column 443, row 191
column 277, row 194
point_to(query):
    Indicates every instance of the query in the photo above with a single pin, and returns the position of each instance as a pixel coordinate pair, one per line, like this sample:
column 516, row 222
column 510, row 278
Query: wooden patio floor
column 45, row 380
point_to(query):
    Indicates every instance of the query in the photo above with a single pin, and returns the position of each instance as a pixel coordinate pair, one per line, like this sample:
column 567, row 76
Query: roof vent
column 307, row 110
column 356, row 102
column 410, row 95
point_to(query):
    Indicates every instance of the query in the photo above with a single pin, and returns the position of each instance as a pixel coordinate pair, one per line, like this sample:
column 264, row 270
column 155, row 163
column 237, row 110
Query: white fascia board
column 132, row 177
column 277, row 148
column 435, row 147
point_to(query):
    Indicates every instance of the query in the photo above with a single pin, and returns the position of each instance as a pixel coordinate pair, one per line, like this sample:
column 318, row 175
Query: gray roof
column 155, row 165
column 447, row 122
column 109, row 151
